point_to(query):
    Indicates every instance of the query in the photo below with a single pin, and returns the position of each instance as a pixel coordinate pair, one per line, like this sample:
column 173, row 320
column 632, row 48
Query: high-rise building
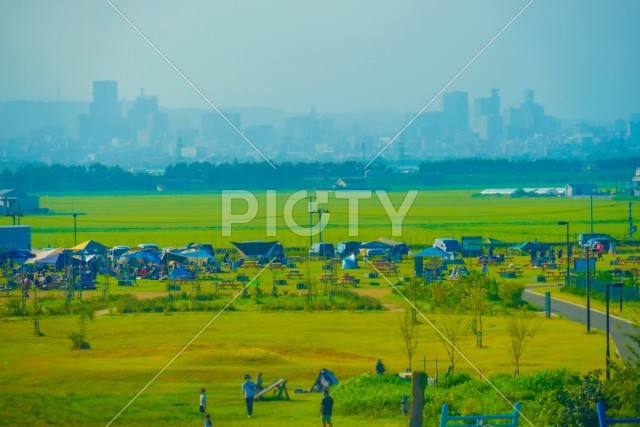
column 215, row 127
column 104, row 121
column 487, row 117
column 145, row 123
column 529, row 119
column 456, row 113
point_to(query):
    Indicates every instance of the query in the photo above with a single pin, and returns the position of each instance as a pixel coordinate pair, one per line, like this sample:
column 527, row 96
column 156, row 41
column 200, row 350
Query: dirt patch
column 379, row 294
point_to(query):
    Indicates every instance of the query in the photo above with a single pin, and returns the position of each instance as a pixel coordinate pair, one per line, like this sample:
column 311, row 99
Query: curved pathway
column 617, row 327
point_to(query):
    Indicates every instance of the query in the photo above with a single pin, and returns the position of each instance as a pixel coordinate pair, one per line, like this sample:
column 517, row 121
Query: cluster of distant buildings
column 140, row 134
column 569, row 190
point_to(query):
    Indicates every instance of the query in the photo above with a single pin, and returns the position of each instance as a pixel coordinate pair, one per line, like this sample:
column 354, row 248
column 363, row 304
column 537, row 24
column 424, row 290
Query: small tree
column 474, row 294
column 521, row 330
column 409, row 333
column 455, row 330
column 79, row 337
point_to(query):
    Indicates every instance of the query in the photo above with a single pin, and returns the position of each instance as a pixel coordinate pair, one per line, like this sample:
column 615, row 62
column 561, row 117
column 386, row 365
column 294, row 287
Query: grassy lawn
column 46, row 383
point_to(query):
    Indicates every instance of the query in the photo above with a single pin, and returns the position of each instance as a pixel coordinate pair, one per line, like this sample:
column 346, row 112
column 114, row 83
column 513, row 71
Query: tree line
column 206, row 176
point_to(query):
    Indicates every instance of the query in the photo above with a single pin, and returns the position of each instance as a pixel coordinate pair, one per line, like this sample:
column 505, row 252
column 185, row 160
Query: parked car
column 584, row 237
column 116, row 252
column 150, row 246
column 447, row 244
column 322, row 249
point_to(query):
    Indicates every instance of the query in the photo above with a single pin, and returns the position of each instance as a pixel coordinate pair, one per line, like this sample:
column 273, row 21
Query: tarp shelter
column 258, row 249
column 324, row 380
column 20, row 255
column 396, row 247
column 529, row 246
column 90, row 247
column 374, row 248
column 180, row 273
column 432, row 252
column 143, row 254
column 39, row 254
column 374, row 245
column 54, row 257
column 168, row 257
column 198, row 255
column 349, row 262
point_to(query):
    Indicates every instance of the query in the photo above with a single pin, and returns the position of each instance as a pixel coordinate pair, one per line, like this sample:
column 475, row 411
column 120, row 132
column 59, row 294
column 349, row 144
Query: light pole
column 586, row 252
column 591, row 209
column 607, row 292
column 566, row 279
column 75, row 215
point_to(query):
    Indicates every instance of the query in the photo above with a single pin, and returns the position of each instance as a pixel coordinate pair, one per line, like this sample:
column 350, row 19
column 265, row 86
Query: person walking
column 248, row 393
column 203, row 401
column 259, row 386
column 326, row 408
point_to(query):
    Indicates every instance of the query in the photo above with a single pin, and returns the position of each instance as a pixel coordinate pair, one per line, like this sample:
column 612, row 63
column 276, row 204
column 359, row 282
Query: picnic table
column 326, row 277
column 294, row 273
column 633, row 259
column 226, row 283
column 389, row 270
column 555, row 275
column 516, row 270
column 276, row 266
column 347, row 280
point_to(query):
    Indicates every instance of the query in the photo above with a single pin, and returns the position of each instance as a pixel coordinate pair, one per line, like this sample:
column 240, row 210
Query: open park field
column 172, row 219
column 46, row 383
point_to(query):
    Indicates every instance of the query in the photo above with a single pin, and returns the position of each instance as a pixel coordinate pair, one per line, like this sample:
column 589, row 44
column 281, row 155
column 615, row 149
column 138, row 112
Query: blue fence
column 628, row 294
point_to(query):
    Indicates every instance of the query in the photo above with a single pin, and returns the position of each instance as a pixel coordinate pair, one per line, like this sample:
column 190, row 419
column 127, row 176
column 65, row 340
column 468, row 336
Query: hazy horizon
column 579, row 57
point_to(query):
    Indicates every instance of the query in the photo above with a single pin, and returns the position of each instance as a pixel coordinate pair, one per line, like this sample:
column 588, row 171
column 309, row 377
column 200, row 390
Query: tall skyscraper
column 487, row 117
column 456, row 112
column 145, row 123
column 104, row 121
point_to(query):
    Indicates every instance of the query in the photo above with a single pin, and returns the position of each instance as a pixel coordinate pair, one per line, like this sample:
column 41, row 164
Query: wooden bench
column 604, row 421
column 555, row 275
column 347, row 280
column 276, row 266
column 388, row 270
column 326, row 277
column 495, row 420
column 227, row 283
column 279, row 389
column 294, row 273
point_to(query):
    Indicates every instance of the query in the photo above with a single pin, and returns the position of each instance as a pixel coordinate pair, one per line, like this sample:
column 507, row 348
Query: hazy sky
column 582, row 57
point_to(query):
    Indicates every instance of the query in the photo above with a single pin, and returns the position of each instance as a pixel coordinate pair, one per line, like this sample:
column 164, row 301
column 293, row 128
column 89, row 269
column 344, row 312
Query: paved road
column 617, row 326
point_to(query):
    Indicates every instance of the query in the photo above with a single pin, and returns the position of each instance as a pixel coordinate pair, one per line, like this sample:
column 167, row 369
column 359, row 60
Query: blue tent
column 145, row 255
column 350, row 262
column 432, row 252
column 198, row 254
column 180, row 273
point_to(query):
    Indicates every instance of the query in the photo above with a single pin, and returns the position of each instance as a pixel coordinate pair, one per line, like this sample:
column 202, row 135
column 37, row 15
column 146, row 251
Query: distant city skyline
column 580, row 57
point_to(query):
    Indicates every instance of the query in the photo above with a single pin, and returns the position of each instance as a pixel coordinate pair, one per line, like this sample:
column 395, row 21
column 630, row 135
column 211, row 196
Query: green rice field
column 173, row 219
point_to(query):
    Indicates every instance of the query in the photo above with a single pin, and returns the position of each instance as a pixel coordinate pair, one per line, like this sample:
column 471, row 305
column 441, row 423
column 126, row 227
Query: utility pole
column 632, row 228
column 320, row 212
column 75, row 229
column 310, row 222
